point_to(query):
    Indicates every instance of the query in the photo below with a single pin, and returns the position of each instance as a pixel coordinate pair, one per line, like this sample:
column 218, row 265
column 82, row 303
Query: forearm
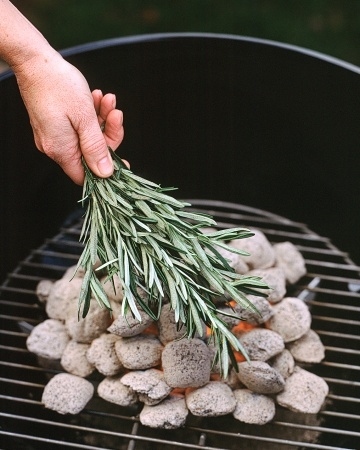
column 20, row 41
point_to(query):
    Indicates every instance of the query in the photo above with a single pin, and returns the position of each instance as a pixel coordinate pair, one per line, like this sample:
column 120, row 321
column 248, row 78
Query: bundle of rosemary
column 151, row 242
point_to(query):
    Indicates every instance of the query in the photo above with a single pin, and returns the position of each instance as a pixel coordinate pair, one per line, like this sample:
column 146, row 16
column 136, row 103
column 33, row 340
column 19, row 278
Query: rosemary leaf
column 129, row 300
column 85, row 291
column 225, row 352
column 204, row 219
column 195, row 317
column 99, row 292
column 86, row 225
column 230, row 234
column 200, row 253
column 93, row 244
column 174, row 298
column 232, row 249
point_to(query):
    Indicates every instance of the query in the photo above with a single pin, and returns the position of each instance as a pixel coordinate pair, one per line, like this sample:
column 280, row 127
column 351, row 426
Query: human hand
column 66, row 117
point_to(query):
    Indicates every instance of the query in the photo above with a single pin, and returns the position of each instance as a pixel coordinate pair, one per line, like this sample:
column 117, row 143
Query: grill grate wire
column 331, row 288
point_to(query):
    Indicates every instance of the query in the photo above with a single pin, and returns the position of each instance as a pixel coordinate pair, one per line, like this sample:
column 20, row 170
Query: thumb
column 95, row 151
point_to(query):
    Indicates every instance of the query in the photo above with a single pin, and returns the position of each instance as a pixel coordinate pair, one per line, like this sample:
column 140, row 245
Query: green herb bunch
column 148, row 239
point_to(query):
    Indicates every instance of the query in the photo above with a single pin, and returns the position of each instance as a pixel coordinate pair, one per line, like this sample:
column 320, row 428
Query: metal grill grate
column 331, row 288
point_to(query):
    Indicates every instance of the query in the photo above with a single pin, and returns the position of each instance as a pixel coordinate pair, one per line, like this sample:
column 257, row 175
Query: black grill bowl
column 222, row 117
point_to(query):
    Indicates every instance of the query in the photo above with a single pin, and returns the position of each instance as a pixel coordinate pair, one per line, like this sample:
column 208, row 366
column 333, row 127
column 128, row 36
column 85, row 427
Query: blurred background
column 328, row 26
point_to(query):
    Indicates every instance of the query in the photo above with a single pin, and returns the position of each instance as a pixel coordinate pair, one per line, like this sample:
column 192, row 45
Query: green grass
column 328, row 26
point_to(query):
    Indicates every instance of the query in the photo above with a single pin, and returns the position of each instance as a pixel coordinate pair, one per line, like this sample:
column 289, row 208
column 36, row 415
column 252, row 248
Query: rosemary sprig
column 149, row 241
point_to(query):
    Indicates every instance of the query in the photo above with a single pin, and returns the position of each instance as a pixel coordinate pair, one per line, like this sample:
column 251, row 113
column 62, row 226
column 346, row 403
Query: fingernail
column 105, row 166
column 113, row 103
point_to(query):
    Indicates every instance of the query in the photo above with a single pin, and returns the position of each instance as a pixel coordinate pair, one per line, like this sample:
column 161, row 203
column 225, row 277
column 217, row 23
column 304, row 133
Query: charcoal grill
column 331, row 288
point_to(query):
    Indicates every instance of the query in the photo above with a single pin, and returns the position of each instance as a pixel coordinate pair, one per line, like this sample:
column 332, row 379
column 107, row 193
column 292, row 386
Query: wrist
column 33, row 67
column 35, row 56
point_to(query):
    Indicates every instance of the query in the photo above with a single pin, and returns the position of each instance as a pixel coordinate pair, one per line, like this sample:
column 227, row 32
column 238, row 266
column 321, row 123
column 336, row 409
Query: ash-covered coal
column 147, row 363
